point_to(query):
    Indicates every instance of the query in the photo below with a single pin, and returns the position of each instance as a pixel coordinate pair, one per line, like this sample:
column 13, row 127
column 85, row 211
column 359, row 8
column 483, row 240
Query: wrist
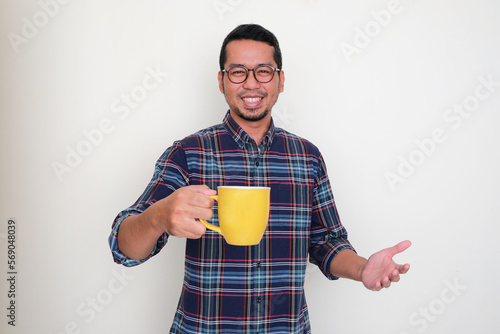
column 152, row 221
column 362, row 266
column 348, row 264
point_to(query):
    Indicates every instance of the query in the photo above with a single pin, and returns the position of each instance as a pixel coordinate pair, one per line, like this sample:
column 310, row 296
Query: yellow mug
column 243, row 214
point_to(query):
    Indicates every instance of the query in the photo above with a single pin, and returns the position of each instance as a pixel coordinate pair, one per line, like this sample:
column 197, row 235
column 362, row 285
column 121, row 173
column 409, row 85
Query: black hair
column 252, row 32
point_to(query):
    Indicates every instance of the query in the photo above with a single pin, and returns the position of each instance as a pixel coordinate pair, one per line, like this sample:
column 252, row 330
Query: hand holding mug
column 243, row 214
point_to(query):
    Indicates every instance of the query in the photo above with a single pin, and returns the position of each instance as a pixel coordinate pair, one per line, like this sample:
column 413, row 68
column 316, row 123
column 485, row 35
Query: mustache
column 252, row 92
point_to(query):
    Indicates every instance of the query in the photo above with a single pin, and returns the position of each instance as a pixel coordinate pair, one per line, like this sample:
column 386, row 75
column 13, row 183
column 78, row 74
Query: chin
column 252, row 115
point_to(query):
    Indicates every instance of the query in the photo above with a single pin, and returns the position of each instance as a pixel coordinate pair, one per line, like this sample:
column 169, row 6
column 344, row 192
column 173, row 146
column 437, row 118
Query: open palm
column 380, row 270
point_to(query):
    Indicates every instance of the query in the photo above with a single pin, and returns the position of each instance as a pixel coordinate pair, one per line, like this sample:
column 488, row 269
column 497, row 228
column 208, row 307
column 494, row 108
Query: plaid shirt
column 248, row 289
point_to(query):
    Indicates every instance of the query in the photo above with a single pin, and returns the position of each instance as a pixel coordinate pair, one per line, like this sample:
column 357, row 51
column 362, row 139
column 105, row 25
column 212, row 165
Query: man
column 247, row 289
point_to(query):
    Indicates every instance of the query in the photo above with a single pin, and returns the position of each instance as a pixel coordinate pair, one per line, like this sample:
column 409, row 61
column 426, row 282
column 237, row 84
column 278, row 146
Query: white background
column 63, row 68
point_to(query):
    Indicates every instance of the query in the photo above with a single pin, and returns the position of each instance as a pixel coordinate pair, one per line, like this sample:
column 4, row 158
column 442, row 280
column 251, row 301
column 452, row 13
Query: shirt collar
column 241, row 137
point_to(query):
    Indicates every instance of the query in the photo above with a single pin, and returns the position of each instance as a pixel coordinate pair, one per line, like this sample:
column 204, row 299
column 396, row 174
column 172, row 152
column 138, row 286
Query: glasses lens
column 237, row 74
column 264, row 73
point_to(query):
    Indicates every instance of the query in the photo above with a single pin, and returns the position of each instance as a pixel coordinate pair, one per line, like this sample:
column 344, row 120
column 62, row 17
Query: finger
column 191, row 229
column 403, row 269
column 400, row 269
column 386, row 282
column 202, row 213
column 203, row 189
column 401, row 247
column 197, row 230
column 395, row 276
column 201, row 201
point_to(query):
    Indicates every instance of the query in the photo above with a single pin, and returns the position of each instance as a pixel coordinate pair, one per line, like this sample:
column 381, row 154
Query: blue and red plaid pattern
column 256, row 289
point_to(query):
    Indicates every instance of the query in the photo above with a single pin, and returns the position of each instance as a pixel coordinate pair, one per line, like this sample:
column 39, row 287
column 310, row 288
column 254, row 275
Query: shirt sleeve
column 169, row 175
column 328, row 235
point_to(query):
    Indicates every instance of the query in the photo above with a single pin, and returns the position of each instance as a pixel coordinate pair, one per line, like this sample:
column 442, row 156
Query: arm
column 377, row 272
column 175, row 215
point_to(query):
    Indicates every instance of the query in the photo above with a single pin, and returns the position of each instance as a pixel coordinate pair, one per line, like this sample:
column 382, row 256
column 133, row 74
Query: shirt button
column 258, row 300
column 257, row 163
column 258, row 265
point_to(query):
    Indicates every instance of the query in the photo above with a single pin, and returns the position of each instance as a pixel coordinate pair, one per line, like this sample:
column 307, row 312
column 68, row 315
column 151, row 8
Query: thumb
column 401, row 247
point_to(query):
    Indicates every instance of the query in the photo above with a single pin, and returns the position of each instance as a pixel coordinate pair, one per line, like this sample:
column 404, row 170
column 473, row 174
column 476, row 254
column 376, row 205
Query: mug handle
column 207, row 224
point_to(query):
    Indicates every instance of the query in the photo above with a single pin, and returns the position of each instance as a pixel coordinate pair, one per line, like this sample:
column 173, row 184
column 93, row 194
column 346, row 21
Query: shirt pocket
column 291, row 207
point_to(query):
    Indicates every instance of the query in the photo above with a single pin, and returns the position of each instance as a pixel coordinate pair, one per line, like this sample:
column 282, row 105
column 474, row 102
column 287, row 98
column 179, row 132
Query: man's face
column 251, row 100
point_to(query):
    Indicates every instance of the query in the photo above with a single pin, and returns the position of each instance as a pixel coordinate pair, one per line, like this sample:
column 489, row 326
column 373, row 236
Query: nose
column 251, row 82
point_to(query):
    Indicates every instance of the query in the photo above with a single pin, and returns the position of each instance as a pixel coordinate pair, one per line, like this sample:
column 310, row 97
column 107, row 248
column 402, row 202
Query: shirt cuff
column 322, row 255
column 326, row 265
column 121, row 258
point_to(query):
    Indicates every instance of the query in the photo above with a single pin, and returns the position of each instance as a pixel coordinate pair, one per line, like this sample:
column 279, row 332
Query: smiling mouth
column 252, row 99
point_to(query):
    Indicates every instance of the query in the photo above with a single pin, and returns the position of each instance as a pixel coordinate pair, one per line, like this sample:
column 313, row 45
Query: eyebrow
column 231, row 65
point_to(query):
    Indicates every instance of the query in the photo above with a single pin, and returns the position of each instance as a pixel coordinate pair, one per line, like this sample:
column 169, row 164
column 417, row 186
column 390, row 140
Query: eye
column 264, row 71
column 238, row 72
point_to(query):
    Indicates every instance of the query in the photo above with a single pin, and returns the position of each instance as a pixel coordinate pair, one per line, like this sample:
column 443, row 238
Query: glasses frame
column 226, row 70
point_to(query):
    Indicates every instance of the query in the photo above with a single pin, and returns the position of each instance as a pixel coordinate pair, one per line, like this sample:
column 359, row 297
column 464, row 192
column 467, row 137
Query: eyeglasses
column 238, row 74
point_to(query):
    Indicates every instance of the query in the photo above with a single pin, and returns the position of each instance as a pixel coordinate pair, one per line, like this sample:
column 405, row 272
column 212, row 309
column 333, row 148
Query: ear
column 282, row 81
column 221, row 82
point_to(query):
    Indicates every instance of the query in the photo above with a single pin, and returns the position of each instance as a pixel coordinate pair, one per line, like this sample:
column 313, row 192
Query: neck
column 255, row 129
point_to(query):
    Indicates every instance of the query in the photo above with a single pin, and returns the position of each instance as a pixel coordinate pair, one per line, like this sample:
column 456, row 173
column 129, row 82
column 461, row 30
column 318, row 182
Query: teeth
column 252, row 99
